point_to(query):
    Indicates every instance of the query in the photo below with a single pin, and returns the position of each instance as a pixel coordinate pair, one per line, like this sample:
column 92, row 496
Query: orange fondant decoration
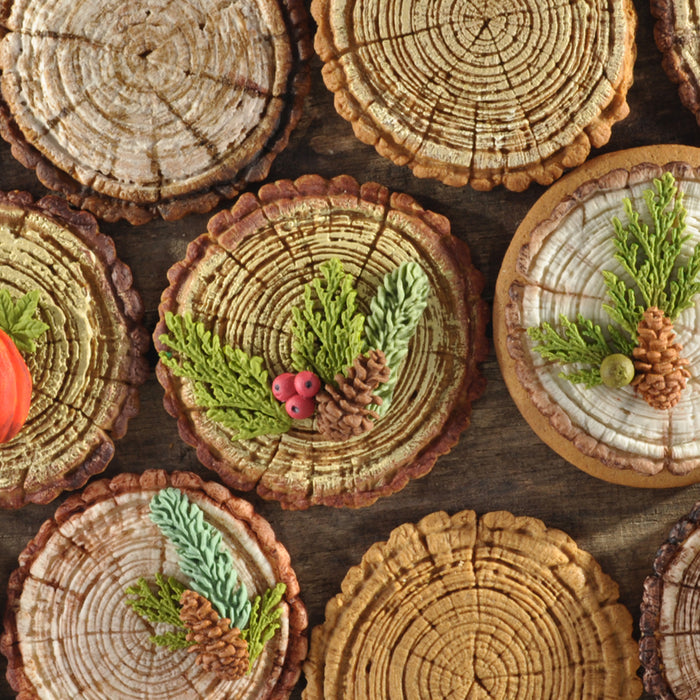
column 15, row 389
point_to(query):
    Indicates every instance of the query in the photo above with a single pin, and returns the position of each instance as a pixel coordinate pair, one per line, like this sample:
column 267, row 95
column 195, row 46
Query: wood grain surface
column 499, row 462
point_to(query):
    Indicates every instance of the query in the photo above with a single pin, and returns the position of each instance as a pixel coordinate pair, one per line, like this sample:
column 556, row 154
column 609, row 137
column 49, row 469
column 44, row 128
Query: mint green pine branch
column 395, row 312
column 231, row 385
column 205, row 561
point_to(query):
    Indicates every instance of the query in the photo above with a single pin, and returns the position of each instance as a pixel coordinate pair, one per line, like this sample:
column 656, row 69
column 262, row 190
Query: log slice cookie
column 484, row 92
column 496, row 607
column 89, row 363
column 677, row 35
column 555, row 266
column 68, row 632
column 243, row 279
column 668, row 648
column 155, row 109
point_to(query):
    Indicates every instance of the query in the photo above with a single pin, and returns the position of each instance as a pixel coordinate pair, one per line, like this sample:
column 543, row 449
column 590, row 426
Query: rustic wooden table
column 499, row 462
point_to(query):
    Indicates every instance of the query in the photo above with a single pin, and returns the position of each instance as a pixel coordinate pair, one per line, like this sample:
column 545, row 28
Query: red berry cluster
column 297, row 392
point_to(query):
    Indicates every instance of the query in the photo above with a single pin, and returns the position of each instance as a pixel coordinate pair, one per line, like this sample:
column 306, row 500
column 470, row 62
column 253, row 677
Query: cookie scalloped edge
column 155, row 480
column 595, row 134
column 228, row 227
column 119, row 279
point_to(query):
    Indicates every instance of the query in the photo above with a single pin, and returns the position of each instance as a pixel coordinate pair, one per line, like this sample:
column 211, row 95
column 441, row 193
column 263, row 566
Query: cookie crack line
column 514, row 93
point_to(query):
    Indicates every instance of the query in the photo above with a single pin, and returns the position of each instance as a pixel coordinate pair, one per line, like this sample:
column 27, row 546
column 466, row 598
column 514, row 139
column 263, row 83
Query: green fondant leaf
column 580, row 341
column 395, row 312
column 649, row 254
column 264, row 620
column 173, row 640
column 231, row 385
column 206, row 562
column 17, row 319
column 327, row 329
column 161, row 606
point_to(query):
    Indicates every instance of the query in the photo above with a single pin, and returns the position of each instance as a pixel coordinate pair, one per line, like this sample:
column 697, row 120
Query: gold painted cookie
column 668, row 648
column 496, row 607
column 244, row 277
column 151, row 108
column 68, row 632
column 88, row 364
column 485, row 93
column 555, row 266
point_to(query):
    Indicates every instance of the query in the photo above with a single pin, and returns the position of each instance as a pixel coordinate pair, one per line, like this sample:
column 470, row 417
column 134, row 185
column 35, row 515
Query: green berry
column 617, row 370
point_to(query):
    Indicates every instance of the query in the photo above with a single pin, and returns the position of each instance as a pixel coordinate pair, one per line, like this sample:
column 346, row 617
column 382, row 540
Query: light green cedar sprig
column 230, row 384
column 580, row 341
column 649, row 255
column 17, row 319
column 161, row 606
column 395, row 312
column 327, row 329
column 264, row 621
column 203, row 559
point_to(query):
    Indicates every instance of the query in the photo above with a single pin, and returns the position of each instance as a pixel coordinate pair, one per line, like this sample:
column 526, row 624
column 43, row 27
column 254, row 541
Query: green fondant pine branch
column 208, row 565
column 230, row 384
column 395, row 312
column 581, row 341
column 17, row 319
column 327, row 329
column 161, row 606
column 264, row 620
column 648, row 254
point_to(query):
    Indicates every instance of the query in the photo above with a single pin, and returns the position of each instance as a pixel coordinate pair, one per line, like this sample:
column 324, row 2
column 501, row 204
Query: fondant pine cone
column 219, row 647
column 343, row 412
column 661, row 371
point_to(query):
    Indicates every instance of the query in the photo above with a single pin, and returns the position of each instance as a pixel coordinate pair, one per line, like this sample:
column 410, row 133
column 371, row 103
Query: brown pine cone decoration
column 219, row 647
column 343, row 412
column 661, row 371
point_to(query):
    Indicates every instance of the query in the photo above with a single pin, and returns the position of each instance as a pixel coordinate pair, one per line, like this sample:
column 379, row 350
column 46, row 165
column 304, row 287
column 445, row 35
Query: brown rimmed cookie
column 68, row 632
column 242, row 280
column 89, row 363
column 670, row 609
column 155, row 108
column 485, row 93
column 555, row 265
column 494, row 607
column 677, row 34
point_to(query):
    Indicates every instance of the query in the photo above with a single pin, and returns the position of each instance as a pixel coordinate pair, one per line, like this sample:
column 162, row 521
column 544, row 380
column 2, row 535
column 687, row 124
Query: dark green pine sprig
column 162, row 605
column 580, row 341
column 649, row 255
column 264, row 621
column 328, row 329
column 229, row 383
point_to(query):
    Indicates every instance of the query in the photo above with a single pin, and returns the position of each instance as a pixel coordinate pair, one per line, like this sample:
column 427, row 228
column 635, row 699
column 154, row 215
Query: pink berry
column 307, row 384
column 283, row 386
column 300, row 407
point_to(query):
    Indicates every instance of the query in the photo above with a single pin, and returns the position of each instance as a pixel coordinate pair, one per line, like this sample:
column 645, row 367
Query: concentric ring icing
column 497, row 606
column 153, row 101
column 88, row 364
column 68, row 632
column 485, row 92
column 559, row 271
column 242, row 281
